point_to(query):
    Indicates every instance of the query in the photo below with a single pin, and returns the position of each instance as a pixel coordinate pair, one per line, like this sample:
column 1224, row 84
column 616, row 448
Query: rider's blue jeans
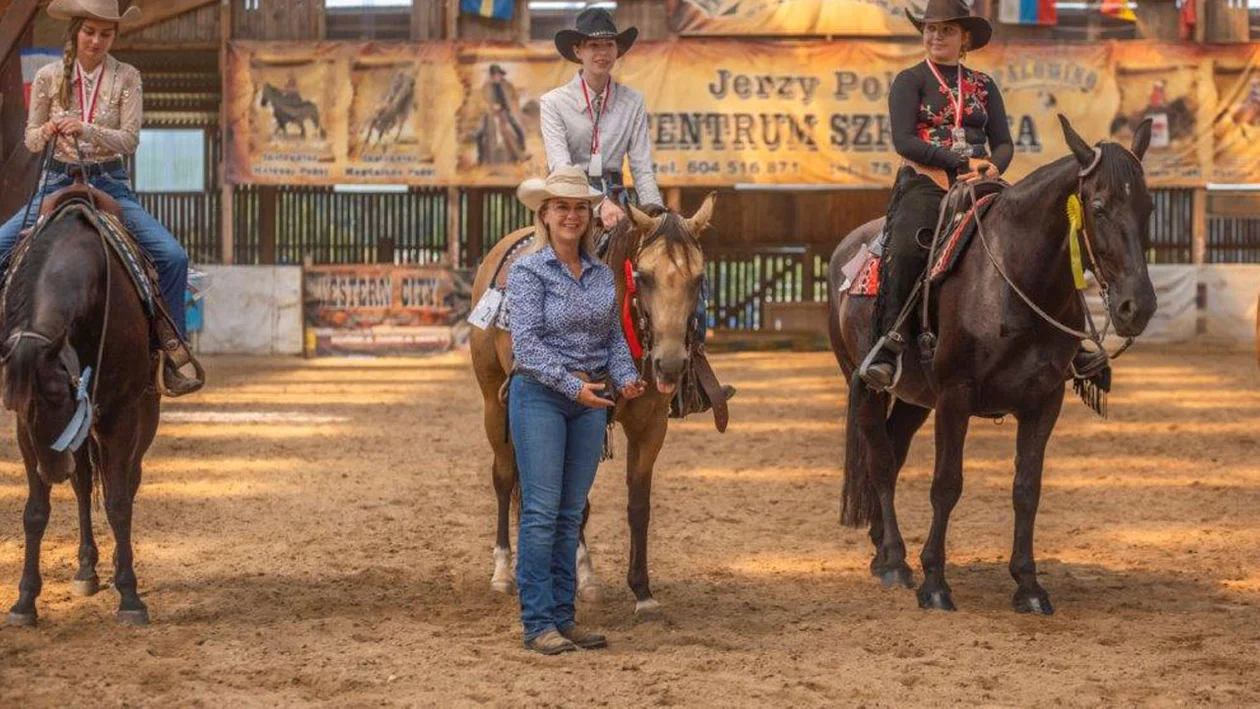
column 169, row 257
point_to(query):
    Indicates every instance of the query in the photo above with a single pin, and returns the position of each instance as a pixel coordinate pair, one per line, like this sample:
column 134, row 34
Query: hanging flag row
column 1046, row 12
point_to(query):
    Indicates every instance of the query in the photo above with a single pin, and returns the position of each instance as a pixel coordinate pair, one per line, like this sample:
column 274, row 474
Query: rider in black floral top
column 938, row 147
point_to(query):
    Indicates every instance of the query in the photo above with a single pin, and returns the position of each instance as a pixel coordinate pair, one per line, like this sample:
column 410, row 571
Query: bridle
column 1094, row 334
column 639, row 315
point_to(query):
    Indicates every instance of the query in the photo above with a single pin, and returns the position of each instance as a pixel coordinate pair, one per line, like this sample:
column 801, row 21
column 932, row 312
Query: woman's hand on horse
column 589, row 395
column 610, row 213
column 977, row 169
column 70, row 126
column 634, row 389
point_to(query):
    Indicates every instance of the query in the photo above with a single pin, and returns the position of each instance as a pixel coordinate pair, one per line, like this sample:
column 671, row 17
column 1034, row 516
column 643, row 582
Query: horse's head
column 1118, row 210
column 670, row 269
column 39, row 389
column 268, row 94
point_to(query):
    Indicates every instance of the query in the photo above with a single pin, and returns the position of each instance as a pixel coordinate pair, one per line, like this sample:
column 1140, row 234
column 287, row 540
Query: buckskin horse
column 77, row 376
column 668, row 265
column 995, row 354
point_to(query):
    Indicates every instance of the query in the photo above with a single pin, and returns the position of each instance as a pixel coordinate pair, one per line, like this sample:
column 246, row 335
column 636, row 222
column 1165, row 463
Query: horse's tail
column 859, row 503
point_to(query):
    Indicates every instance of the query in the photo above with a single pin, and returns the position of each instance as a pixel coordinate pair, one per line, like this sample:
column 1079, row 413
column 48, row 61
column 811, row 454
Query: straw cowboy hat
column 566, row 181
column 955, row 11
column 106, row 10
column 594, row 23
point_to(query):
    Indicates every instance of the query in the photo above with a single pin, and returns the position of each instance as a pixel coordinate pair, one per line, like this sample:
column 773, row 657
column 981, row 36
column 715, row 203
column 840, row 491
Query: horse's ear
column 1142, row 138
column 640, row 218
column 1084, row 154
column 703, row 216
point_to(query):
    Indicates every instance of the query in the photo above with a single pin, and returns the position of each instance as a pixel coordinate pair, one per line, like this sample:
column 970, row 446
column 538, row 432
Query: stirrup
column 171, row 382
column 895, row 343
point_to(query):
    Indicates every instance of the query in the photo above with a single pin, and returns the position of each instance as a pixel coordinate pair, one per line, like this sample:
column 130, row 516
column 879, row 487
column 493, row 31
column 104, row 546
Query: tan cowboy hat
column 106, row 10
column 954, row 11
column 566, row 181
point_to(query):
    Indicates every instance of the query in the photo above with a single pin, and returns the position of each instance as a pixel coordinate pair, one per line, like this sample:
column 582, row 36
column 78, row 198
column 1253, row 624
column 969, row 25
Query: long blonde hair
column 586, row 245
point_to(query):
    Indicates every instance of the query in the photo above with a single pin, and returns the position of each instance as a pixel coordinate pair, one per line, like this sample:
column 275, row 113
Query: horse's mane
column 21, row 367
column 625, row 240
column 1118, row 166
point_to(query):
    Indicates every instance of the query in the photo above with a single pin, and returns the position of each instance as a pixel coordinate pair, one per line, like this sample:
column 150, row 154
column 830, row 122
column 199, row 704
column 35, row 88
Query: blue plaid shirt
column 561, row 324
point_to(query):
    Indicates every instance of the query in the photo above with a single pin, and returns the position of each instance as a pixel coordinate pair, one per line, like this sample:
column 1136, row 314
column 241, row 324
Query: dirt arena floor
column 321, row 533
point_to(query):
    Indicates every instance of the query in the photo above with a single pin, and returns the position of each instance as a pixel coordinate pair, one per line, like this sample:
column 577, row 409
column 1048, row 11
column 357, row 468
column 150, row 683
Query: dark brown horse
column 995, row 356
column 665, row 251
column 69, row 305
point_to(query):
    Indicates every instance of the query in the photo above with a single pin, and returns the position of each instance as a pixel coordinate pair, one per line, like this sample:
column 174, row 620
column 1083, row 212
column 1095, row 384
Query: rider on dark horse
column 597, row 123
column 940, row 128
column 90, row 105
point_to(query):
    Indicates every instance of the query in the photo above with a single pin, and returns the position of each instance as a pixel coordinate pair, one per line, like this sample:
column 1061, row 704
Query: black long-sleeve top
column 922, row 117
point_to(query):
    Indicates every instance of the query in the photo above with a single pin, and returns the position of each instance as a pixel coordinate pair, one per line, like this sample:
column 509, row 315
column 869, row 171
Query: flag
column 1119, row 9
column 1028, row 12
column 1187, row 18
column 34, row 59
column 494, row 9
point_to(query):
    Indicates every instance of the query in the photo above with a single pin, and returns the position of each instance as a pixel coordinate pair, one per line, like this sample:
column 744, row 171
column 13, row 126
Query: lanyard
column 958, row 103
column 591, row 112
column 88, row 110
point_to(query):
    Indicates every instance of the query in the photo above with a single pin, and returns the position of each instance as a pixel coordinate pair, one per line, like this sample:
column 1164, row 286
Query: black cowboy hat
column 496, row 69
column 594, row 23
column 955, row 11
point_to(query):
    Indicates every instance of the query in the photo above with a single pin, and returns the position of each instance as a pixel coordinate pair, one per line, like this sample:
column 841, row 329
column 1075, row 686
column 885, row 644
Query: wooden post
column 673, row 198
column 1199, row 227
column 476, row 226
column 452, row 20
column 452, row 226
column 227, row 210
column 268, row 206
column 522, row 6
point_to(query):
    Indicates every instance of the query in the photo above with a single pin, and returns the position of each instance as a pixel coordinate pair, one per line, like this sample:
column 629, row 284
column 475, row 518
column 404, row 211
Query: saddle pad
column 120, row 241
column 866, row 284
column 954, row 246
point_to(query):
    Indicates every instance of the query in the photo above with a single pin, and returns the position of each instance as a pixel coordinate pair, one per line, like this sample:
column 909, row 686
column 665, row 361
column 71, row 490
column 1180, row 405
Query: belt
column 612, row 184
column 89, row 169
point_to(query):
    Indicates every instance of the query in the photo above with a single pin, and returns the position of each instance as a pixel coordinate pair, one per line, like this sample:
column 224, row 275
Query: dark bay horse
column 995, row 356
column 290, row 108
column 665, row 251
column 69, row 304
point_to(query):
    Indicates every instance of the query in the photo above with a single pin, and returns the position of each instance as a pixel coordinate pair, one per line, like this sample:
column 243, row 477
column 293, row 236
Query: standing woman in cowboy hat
column 90, row 104
column 567, row 342
column 948, row 124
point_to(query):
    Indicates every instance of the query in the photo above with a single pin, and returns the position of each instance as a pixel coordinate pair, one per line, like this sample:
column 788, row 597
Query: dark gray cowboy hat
column 594, row 23
column 496, row 69
column 955, row 11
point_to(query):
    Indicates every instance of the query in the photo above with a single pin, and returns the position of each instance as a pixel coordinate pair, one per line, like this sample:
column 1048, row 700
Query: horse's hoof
column 590, row 593
column 897, row 578
column 507, row 588
column 21, row 620
column 936, row 600
column 134, row 618
column 1032, row 603
column 85, row 587
column 647, row 609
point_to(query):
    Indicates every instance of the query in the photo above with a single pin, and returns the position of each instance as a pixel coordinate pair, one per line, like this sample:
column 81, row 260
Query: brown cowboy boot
column 550, row 643
column 584, row 639
column 175, row 356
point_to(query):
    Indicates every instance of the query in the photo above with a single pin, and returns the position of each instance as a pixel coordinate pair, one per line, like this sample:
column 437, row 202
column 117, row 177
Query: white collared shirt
column 623, row 131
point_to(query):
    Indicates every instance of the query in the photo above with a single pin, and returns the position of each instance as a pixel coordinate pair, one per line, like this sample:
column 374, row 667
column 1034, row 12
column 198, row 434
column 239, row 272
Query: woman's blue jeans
column 168, row 256
column 558, row 445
